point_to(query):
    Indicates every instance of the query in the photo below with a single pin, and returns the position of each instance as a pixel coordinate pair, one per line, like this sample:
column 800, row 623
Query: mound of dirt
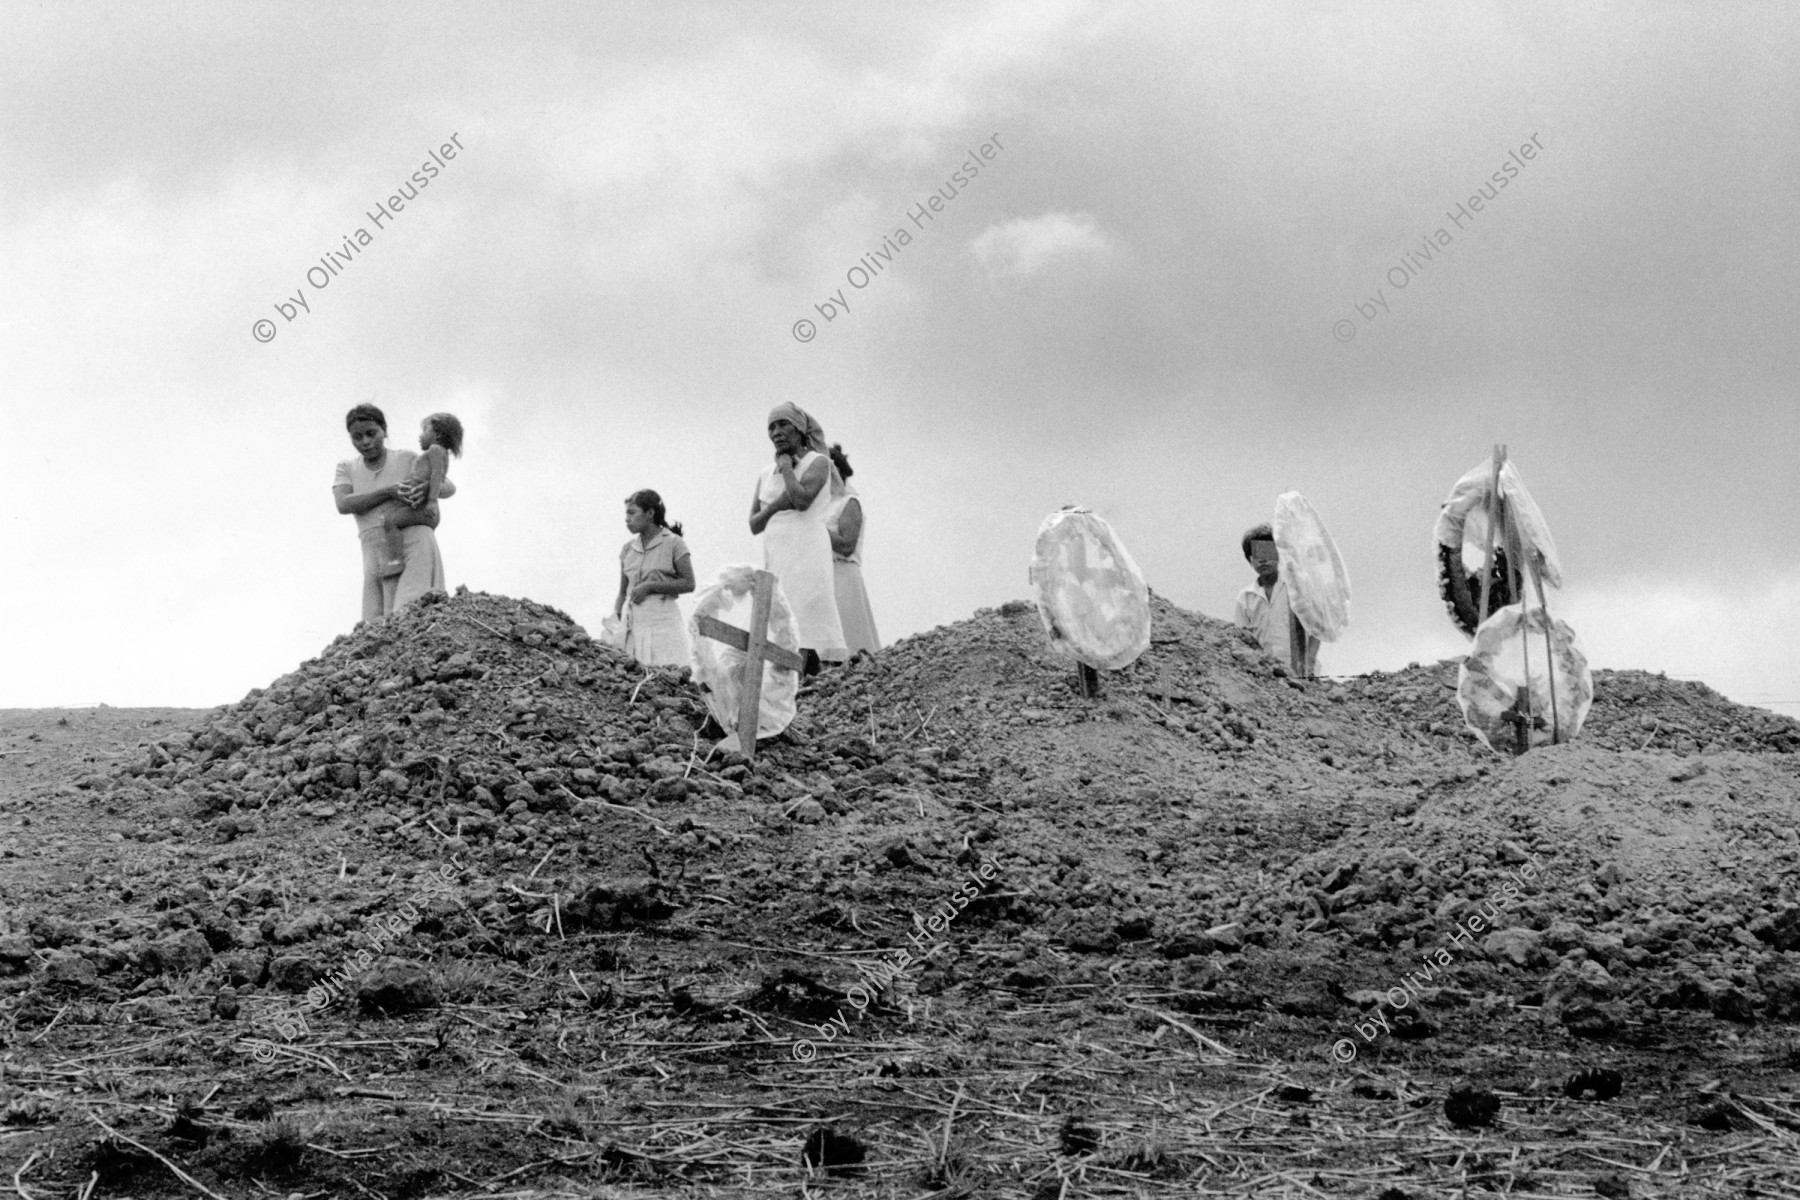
column 1633, row 710
column 476, row 786
column 1206, row 805
column 1209, row 803
column 478, row 721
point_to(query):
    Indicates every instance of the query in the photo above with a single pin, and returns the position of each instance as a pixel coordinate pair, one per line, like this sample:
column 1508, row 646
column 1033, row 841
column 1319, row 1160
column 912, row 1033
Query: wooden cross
column 757, row 649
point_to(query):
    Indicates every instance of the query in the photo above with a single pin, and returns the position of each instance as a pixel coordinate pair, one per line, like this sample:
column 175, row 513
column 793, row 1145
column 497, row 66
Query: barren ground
column 1177, row 983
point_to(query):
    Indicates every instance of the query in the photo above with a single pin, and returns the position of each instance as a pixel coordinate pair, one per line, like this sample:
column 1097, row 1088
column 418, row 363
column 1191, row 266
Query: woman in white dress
column 844, row 522
column 788, row 513
column 654, row 568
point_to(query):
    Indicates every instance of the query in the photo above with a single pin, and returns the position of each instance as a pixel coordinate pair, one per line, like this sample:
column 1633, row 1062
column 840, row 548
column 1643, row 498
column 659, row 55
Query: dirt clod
column 1077, row 1137
column 397, row 988
column 835, row 1152
column 1600, row 1083
column 1468, row 1107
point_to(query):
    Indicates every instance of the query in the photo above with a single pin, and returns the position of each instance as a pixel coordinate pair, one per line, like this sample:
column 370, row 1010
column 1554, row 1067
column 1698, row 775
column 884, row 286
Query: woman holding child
column 394, row 506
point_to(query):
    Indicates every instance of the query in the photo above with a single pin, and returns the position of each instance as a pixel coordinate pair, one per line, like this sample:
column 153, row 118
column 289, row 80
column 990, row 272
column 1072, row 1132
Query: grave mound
column 1207, row 809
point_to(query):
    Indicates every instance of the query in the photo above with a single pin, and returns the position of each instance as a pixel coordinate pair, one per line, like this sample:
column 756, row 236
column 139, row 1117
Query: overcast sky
column 1145, row 302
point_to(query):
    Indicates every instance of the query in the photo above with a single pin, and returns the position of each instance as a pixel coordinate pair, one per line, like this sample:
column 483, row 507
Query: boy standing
column 1262, row 608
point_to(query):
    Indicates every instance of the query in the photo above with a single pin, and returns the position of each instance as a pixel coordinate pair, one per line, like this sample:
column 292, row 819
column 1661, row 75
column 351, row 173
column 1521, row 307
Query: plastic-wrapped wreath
column 1317, row 581
column 1090, row 594
column 1461, row 535
column 1508, row 657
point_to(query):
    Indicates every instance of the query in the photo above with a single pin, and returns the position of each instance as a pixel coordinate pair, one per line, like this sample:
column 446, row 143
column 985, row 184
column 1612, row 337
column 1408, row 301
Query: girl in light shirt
column 654, row 568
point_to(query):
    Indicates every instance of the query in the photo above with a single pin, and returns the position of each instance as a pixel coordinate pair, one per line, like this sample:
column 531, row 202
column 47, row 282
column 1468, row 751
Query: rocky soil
column 1225, row 950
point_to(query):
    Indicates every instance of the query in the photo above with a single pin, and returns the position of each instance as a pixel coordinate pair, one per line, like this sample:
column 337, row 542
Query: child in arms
column 440, row 436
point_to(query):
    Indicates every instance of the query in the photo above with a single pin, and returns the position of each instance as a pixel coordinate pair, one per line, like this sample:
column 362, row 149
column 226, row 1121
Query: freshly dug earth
column 1224, row 949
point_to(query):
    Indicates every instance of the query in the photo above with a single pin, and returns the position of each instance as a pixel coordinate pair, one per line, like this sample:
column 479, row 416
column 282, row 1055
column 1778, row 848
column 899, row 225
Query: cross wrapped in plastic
column 758, row 649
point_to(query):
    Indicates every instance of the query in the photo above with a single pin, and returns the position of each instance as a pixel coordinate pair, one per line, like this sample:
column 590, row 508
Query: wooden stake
column 1515, row 578
column 750, row 690
column 1537, row 580
column 1297, row 636
column 1487, row 557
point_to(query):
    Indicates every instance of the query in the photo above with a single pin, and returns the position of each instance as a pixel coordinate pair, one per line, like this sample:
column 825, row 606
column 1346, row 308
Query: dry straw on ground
column 1209, row 874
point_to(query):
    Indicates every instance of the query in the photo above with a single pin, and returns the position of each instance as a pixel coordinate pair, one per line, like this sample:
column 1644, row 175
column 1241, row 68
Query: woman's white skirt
column 854, row 613
column 655, row 634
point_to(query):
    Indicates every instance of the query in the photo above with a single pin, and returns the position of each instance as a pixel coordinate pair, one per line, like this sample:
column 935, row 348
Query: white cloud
column 1025, row 246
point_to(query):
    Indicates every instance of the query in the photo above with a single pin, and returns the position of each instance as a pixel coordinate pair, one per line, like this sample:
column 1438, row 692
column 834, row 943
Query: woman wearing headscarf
column 844, row 522
column 788, row 513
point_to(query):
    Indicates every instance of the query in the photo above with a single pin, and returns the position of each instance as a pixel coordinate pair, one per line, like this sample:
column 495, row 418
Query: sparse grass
column 467, row 980
column 27, row 1111
column 276, row 1149
column 563, row 1118
column 1150, row 1156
